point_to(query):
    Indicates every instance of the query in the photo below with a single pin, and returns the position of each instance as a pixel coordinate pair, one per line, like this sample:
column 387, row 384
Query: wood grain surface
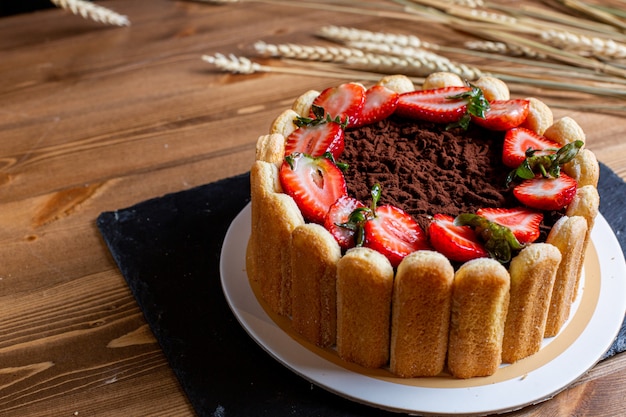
column 96, row 118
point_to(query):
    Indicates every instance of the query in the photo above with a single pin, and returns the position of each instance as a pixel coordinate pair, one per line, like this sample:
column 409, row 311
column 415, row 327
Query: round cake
column 430, row 230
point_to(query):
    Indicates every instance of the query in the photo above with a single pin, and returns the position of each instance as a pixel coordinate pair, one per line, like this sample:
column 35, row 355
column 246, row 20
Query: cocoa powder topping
column 425, row 169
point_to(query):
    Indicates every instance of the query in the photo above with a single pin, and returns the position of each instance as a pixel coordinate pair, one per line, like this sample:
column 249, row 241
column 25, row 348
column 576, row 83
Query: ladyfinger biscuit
column 284, row 123
column 493, row 88
column 564, row 131
column 263, row 181
column 568, row 235
column 314, row 256
column 586, row 203
column 302, row 105
column 274, row 216
column 271, row 148
column 398, row 83
column 442, row 79
column 420, row 315
column 539, row 118
column 480, row 299
column 584, row 168
column 532, row 273
column 364, row 287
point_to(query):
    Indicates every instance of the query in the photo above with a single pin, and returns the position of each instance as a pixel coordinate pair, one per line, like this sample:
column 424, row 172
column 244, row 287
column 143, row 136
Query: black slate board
column 168, row 250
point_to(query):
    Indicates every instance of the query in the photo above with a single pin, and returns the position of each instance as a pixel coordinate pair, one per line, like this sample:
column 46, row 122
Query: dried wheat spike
column 472, row 4
column 346, row 34
column 503, row 49
column 92, row 11
column 306, row 52
column 418, row 54
column 585, row 45
column 411, row 66
column 232, row 63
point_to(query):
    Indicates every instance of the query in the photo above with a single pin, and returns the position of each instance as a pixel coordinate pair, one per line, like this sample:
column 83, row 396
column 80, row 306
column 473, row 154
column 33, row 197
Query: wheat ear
column 92, row 11
column 585, row 45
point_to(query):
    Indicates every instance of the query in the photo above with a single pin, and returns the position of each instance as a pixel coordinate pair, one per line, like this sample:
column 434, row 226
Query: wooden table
column 96, row 118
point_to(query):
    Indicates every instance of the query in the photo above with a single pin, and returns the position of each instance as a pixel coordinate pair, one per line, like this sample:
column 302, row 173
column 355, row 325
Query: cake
column 428, row 230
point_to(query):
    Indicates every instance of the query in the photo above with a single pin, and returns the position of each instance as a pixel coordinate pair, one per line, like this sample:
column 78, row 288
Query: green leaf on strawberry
column 498, row 240
column 545, row 164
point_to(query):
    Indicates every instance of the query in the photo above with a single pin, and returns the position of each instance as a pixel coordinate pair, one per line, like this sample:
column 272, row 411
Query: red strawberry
column 457, row 243
column 518, row 140
column 344, row 101
column 435, row 105
column 338, row 214
column 380, row 103
column 394, row 233
column 316, row 140
column 523, row 222
column 504, row 114
column 314, row 184
column 546, row 193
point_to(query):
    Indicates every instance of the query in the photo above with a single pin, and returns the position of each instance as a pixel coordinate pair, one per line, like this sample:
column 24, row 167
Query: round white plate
column 593, row 324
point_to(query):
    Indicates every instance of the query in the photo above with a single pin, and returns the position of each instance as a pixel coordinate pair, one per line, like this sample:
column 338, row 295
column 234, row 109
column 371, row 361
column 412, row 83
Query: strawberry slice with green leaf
column 342, row 103
column 316, row 140
column 380, row 102
column 440, row 105
column 314, row 184
column 339, row 221
column 503, row 114
column 458, row 243
column 394, row 233
column 519, row 142
column 546, row 193
column 523, row 222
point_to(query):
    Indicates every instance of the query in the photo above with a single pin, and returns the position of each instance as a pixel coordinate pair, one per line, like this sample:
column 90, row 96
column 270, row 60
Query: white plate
column 594, row 322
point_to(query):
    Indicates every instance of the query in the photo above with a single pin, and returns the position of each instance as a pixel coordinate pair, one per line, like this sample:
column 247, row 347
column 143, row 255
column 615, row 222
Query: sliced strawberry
column 314, row 184
column 435, row 105
column 518, row 140
column 523, row 222
column 344, row 101
column 394, row 233
column 504, row 114
column 546, row 193
column 380, row 103
column 339, row 214
column 458, row 243
column 316, row 140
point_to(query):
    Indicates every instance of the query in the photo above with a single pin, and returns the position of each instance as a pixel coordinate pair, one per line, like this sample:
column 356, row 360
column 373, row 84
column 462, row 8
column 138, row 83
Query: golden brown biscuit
column 274, row 216
column 398, row 83
column 314, row 256
column 493, row 88
column 539, row 117
column 302, row 105
column 568, row 235
column 364, row 287
column 564, row 131
column 442, row 79
column 422, row 293
column 532, row 272
column 284, row 124
column 584, row 168
column 586, row 203
column 480, row 299
column 271, row 148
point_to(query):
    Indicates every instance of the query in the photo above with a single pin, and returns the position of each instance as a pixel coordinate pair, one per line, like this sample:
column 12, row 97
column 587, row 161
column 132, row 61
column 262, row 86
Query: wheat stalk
column 92, row 11
column 585, row 45
column 306, row 52
column 343, row 34
column 385, row 59
column 503, row 48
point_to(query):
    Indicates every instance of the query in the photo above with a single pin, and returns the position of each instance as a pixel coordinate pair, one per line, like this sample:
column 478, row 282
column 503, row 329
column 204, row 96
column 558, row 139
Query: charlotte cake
column 421, row 297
